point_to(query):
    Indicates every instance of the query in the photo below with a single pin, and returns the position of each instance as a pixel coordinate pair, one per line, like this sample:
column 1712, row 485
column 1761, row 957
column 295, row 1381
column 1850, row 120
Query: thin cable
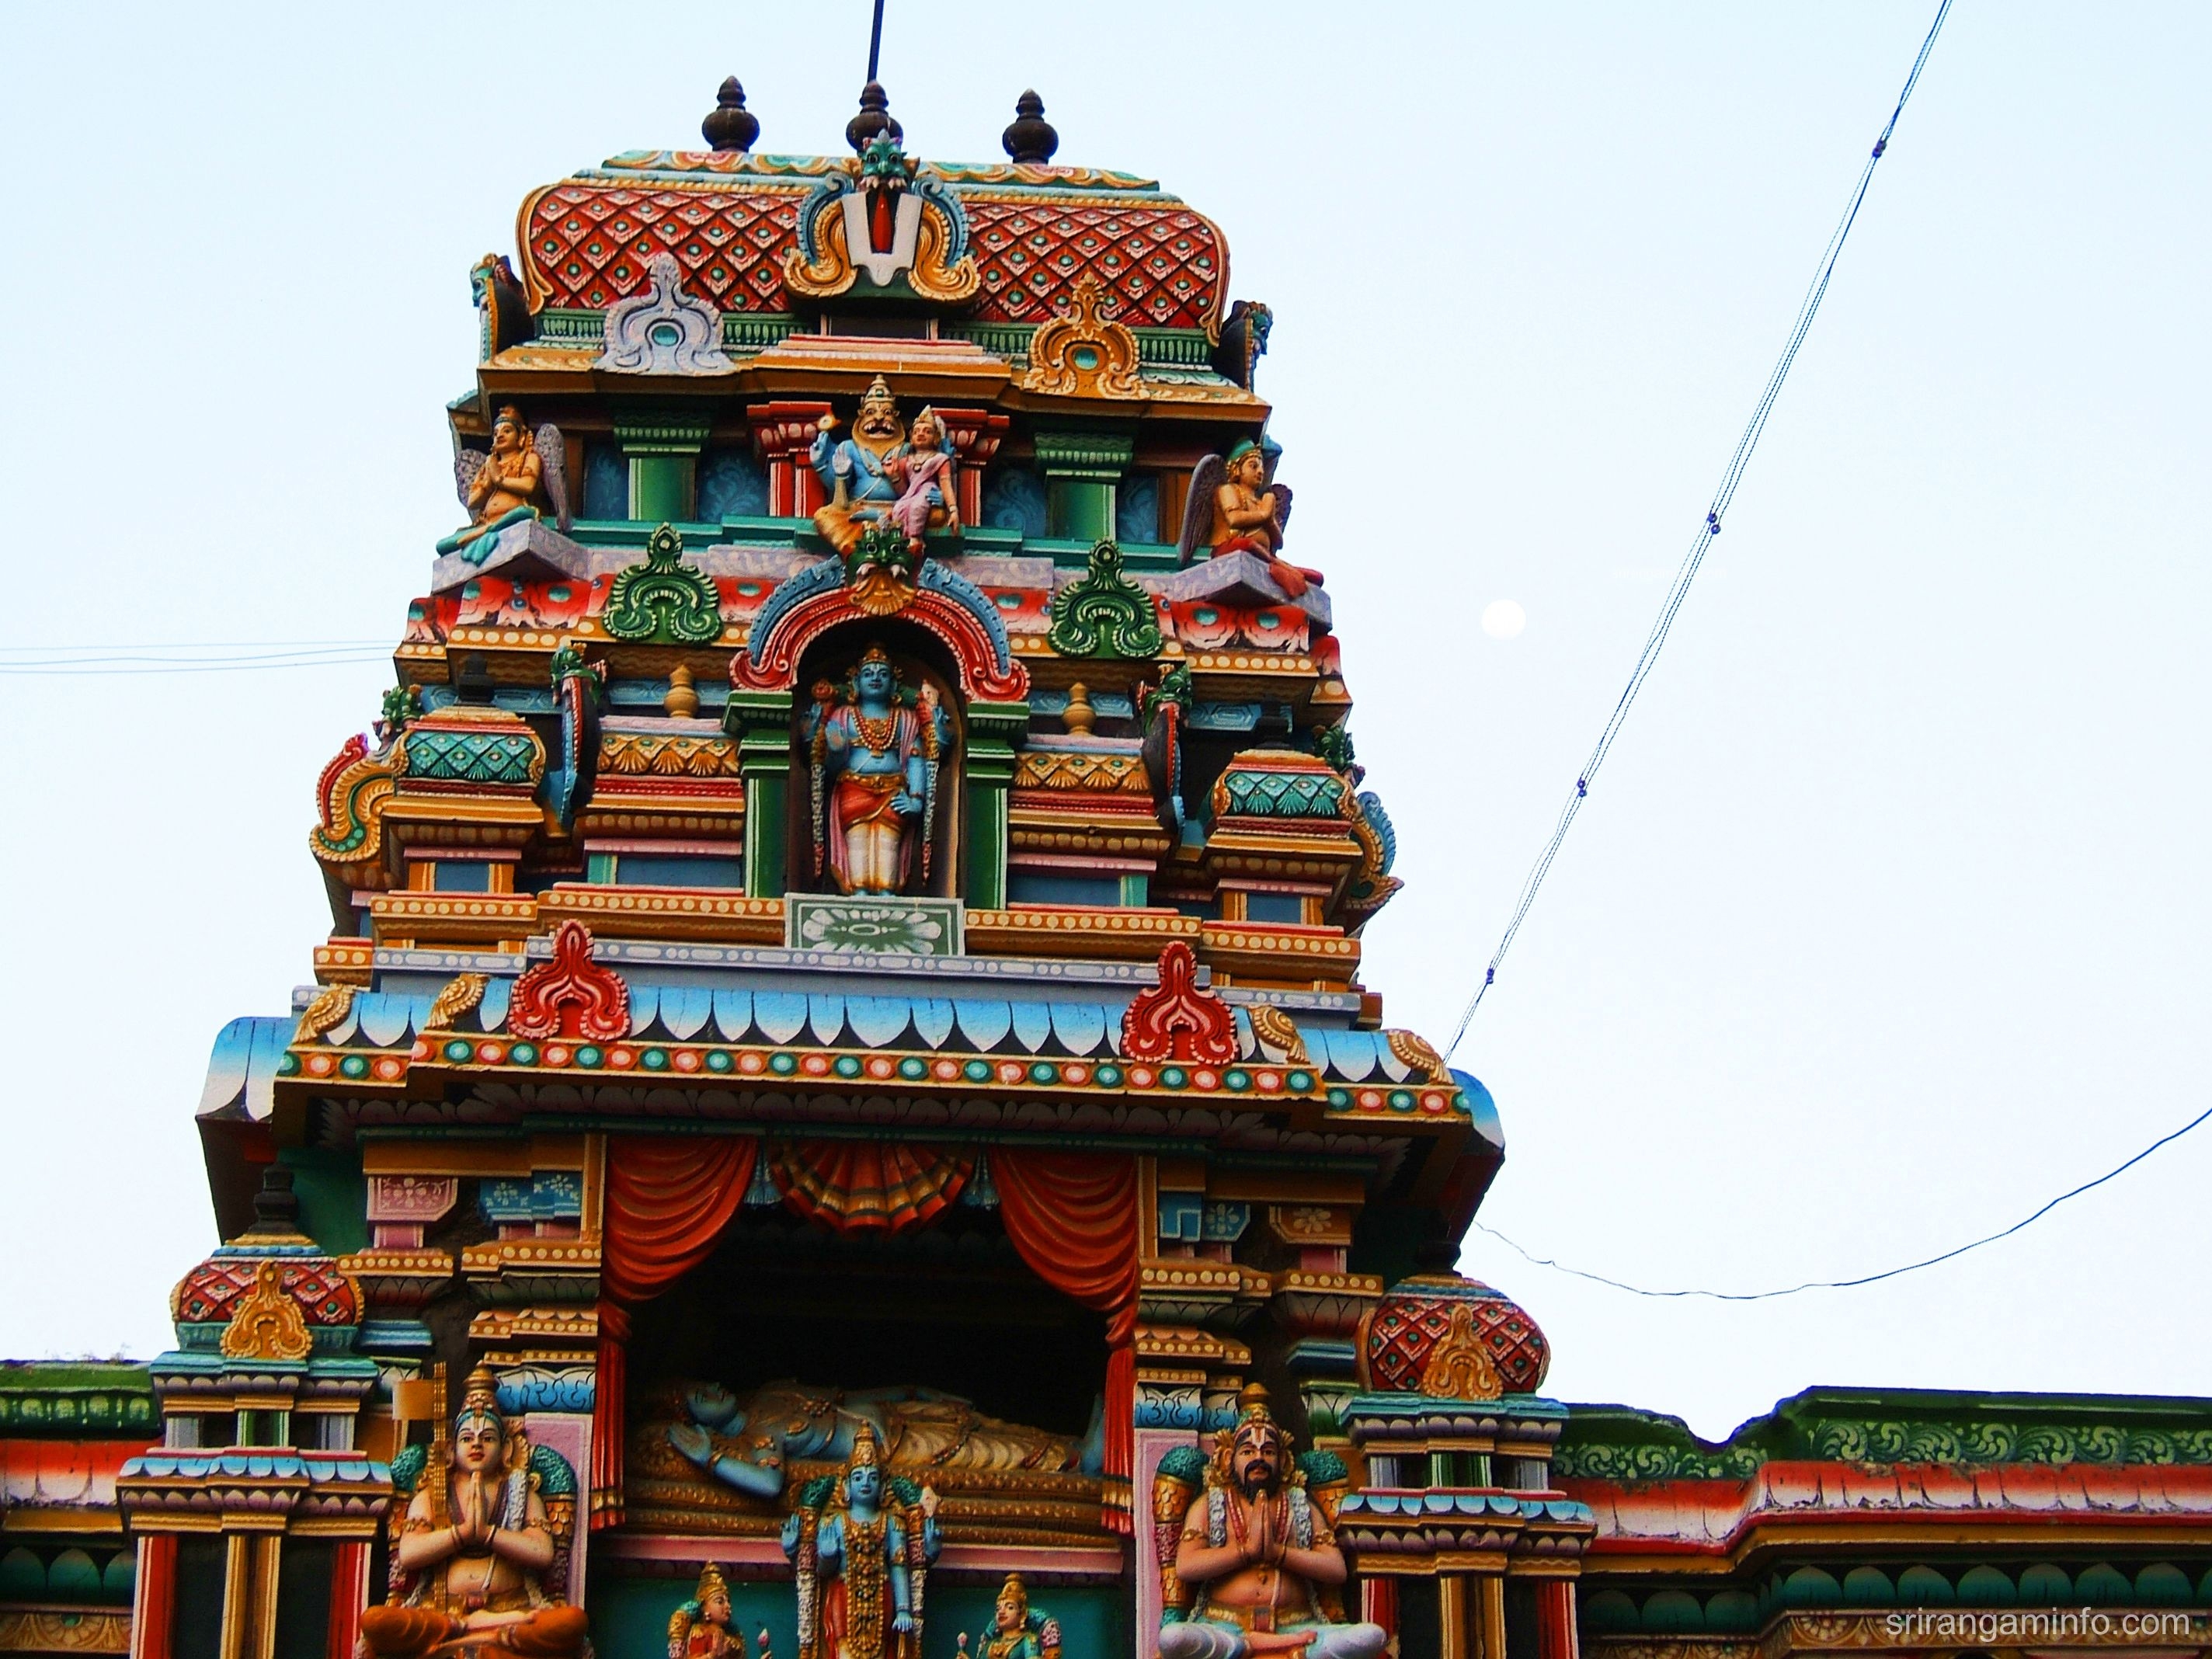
column 1693, row 560
column 1867, row 1278
column 876, row 39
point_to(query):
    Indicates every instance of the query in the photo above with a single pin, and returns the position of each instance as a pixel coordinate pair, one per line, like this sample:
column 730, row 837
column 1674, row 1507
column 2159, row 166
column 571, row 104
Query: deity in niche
column 700, row 1628
column 878, row 476
column 874, row 747
column 511, row 483
column 1260, row 1555
column 861, row 1545
column 474, row 1560
column 746, row 1443
column 1234, row 507
column 1018, row 1631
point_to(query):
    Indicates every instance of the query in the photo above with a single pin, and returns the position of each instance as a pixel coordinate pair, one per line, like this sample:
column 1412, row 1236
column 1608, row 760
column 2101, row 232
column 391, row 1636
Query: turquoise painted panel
column 491, row 1012
column 878, row 1022
column 685, row 1010
column 733, row 1014
column 630, row 1616
column 1032, row 1025
column 780, row 1015
column 983, row 1024
column 826, row 1014
column 1080, row 1026
column 933, row 1020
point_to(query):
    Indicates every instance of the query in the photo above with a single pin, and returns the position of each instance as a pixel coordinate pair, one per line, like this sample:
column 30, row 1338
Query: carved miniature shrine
column 838, row 1117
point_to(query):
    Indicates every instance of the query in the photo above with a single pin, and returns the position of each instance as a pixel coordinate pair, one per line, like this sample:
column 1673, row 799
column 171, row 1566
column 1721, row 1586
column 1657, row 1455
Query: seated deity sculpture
column 874, row 747
column 1260, row 1555
column 860, row 1544
column 512, row 485
column 474, row 1557
column 882, row 474
column 1234, row 507
column 700, row 1628
column 1017, row 1630
column 747, row 1443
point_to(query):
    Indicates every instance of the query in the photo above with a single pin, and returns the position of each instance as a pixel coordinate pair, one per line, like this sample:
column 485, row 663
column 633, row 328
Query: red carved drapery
column 1073, row 1218
column 668, row 1200
column 860, row 1185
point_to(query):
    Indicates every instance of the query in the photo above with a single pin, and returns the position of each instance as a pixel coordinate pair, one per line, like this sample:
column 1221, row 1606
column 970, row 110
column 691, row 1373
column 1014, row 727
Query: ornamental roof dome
column 1444, row 1336
column 271, row 1292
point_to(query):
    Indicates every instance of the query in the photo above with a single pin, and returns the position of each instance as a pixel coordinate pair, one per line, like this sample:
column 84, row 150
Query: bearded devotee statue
column 1260, row 1555
column 1017, row 1630
column 860, row 1544
column 746, row 1443
column 520, row 476
column 874, row 745
column 880, row 476
column 474, row 1558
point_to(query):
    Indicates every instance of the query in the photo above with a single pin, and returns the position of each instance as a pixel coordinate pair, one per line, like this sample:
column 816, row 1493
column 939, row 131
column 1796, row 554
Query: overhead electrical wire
column 212, row 658
column 1864, row 1279
column 1716, row 513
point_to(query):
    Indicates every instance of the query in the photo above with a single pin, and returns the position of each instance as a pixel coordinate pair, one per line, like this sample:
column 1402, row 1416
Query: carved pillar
column 1378, row 1601
column 783, row 433
column 153, row 1601
column 993, row 730
column 348, row 1595
column 761, row 722
column 1488, row 1594
column 1081, row 470
column 1453, row 1635
column 976, row 435
column 663, row 452
column 1556, row 1638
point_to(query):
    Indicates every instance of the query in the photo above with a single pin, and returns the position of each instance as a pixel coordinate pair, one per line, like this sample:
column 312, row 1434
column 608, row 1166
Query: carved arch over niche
column 947, row 607
column 919, row 655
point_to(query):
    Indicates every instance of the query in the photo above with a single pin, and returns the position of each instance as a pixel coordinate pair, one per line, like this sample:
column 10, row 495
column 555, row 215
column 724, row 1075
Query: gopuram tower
column 837, row 1115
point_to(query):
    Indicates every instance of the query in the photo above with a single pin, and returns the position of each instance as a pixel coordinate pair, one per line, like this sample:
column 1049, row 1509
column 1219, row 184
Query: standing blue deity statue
column 860, row 1547
column 873, row 749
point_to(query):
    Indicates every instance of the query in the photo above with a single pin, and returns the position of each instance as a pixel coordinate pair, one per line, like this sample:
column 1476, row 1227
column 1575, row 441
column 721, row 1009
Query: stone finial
column 1031, row 137
column 1080, row 716
column 875, row 117
column 681, row 700
column 276, row 1206
column 730, row 124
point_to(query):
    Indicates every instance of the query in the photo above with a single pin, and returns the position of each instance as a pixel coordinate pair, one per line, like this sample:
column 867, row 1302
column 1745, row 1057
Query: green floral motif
column 402, row 703
column 1174, row 688
column 1334, row 744
column 881, row 926
column 474, row 756
column 1649, row 1462
column 663, row 601
column 1102, row 613
column 1284, row 794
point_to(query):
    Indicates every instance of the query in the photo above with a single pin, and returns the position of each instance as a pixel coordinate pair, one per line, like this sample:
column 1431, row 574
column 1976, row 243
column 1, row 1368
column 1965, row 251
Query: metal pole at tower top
column 876, row 39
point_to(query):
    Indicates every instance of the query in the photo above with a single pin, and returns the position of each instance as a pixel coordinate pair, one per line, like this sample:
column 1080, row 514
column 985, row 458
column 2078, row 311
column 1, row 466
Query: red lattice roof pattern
column 1165, row 264
column 586, row 244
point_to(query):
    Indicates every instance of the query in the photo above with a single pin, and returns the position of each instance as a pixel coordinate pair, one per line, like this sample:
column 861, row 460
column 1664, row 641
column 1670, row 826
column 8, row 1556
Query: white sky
column 1888, row 918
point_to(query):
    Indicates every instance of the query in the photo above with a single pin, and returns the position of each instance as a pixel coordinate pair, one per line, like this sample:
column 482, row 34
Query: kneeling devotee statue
column 1259, row 1551
column 472, row 1561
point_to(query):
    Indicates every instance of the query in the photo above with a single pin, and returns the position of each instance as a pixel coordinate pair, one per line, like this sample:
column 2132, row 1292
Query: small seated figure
column 923, row 472
column 1233, row 508
column 1016, row 1632
column 859, row 1547
column 870, row 475
column 1259, row 1550
column 472, row 1561
column 508, row 487
column 700, row 1628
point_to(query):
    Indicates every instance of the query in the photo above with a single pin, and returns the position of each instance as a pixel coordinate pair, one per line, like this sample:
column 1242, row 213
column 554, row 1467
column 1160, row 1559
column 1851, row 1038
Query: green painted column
column 761, row 722
column 993, row 730
column 663, row 452
column 1081, row 470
